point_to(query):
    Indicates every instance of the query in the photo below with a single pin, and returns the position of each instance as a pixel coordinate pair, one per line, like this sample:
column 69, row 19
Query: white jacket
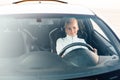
column 62, row 42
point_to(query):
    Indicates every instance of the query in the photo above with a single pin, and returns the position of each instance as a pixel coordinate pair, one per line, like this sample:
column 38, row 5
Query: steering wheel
column 75, row 44
column 80, row 57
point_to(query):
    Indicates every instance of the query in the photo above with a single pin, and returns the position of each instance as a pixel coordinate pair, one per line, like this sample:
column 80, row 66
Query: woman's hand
column 95, row 50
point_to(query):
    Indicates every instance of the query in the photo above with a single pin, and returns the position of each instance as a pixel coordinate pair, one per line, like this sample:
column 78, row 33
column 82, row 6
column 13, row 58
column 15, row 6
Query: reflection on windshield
column 34, row 34
column 26, row 46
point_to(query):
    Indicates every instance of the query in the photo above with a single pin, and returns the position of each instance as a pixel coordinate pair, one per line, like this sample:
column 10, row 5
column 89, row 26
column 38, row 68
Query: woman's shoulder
column 59, row 39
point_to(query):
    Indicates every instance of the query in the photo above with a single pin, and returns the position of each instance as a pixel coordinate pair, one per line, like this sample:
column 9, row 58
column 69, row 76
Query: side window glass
column 98, row 29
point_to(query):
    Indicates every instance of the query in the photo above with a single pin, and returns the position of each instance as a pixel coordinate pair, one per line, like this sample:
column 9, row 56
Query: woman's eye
column 69, row 28
column 74, row 27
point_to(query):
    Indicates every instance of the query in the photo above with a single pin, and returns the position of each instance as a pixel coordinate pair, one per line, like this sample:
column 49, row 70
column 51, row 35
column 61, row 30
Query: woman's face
column 71, row 29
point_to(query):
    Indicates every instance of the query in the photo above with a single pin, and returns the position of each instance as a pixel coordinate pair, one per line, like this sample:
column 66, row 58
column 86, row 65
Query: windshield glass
column 31, row 41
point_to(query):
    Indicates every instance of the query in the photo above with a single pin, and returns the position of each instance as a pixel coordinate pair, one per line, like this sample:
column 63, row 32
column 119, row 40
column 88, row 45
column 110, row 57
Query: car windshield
column 28, row 43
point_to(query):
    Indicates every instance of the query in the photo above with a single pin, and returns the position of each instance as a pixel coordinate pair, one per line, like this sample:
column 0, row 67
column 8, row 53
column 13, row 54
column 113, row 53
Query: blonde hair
column 69, row 21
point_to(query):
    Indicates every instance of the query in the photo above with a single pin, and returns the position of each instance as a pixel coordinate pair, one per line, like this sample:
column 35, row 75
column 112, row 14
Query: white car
column 28, row 34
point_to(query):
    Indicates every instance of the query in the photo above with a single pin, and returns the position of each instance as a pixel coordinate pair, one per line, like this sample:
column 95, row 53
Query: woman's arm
column 59, row 45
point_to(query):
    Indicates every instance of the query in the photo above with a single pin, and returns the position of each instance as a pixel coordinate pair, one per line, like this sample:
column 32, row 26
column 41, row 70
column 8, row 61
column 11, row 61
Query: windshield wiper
column 39, row 1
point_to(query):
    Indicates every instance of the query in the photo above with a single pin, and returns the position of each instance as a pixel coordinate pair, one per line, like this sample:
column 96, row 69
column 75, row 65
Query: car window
column 38, row 28
column 97, row 28
column 26, row 43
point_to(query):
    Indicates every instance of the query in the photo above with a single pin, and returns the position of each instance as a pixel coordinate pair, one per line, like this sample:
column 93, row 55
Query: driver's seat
column 59, row 32
column 54, row 35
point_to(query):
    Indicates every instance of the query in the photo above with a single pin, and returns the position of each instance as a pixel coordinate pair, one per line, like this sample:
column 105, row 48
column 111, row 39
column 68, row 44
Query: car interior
column 39, row 36
column 46, row 36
